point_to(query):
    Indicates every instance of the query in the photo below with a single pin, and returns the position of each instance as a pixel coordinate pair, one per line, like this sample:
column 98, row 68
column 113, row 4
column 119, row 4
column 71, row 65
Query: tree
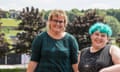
column 114, row 23
column 114, row 12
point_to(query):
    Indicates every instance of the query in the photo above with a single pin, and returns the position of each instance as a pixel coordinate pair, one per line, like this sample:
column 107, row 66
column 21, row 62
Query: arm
column 114, row 68
column 31, row 66
column 75, row 67
column 36, row 53
column 78, row 60
column 115, row 54
column 74, row 51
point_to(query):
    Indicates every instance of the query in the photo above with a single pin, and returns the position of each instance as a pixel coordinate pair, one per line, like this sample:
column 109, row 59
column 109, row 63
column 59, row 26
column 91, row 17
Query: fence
column 13, row 58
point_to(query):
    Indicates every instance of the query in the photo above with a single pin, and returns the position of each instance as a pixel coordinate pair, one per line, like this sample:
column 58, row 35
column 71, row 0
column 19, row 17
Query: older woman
column 54, row 50
column 100, row 57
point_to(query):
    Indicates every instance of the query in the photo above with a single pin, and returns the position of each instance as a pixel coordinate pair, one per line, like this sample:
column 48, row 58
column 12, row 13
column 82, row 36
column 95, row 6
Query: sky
column 59, row 4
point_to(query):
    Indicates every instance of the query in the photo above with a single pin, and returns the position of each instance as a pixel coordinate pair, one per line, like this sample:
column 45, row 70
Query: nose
column 58, row 23
column 99, row 36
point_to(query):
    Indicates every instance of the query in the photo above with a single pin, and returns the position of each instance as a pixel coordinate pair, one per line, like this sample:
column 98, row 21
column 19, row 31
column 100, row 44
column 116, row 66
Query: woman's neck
column 95, row 49
column 56, row 35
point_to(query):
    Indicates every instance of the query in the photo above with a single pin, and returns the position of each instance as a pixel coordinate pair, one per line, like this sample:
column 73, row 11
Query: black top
column 93, row 62
column 54, row 55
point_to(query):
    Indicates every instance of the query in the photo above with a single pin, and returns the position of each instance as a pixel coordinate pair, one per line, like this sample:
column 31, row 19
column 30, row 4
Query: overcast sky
column 59, row 4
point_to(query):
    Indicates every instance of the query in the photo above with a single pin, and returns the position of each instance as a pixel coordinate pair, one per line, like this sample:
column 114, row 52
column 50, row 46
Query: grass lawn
column 10, row 34
column 9, row 22
column 12, row 70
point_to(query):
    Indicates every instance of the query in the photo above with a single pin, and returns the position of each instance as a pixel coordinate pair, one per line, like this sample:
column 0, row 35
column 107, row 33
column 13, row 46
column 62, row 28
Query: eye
column 61, row 21
column 54, row 21
column 58, row 21
column 103, row 35
column 97, row 34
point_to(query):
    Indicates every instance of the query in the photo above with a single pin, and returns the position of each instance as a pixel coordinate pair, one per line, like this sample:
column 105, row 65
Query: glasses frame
column 58, row 21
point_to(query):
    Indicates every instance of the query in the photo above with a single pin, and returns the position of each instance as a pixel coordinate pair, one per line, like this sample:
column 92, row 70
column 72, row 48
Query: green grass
column 11, row 33
column 9, row 22
column 12, row 70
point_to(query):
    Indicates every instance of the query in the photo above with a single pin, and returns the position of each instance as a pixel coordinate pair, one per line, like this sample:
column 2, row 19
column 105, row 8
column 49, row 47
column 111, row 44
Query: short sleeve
column 74, row 50
column 36, row 48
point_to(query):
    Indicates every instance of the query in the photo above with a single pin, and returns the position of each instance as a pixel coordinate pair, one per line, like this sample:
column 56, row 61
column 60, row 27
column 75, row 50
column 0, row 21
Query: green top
column 54, row 55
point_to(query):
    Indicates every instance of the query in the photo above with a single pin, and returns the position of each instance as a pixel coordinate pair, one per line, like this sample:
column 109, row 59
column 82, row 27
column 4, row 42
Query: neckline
column 96, row 51
column 57, row 39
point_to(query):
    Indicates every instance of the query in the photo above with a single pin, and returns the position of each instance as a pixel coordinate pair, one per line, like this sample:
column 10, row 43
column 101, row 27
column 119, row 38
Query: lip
column 98, row 41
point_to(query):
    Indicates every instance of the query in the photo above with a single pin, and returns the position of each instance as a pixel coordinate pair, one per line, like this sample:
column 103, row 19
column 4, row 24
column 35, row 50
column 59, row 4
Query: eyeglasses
column 58, row 21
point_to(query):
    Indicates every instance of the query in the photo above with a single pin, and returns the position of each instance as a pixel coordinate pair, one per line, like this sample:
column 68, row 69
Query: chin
column 98, row 45
column 58, row 30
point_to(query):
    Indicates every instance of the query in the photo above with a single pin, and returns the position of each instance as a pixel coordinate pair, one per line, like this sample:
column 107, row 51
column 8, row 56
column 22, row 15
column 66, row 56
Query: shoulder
column 85, row 49
column 42, row 34
column 115, row 53
column 70, row 36
column 114, row 49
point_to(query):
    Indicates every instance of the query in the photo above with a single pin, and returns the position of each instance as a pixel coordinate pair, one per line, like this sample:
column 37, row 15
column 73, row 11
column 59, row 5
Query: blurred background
column 21, row 21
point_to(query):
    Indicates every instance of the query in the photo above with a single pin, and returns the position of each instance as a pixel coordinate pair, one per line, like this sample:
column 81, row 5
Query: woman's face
column 57, row 24
column 98, row 39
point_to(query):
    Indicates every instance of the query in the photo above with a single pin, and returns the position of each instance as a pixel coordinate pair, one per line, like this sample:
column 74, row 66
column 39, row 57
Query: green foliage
column 7, row 15
column 11, row 33
column 71, row 16
column 77, row 12
column 114, row 12
column 101, row 12
column 46, row 15
column 114, row 23
column 5, row 30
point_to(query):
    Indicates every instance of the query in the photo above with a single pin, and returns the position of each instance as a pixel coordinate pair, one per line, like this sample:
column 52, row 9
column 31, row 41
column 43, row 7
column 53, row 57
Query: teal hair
column 101, row 27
